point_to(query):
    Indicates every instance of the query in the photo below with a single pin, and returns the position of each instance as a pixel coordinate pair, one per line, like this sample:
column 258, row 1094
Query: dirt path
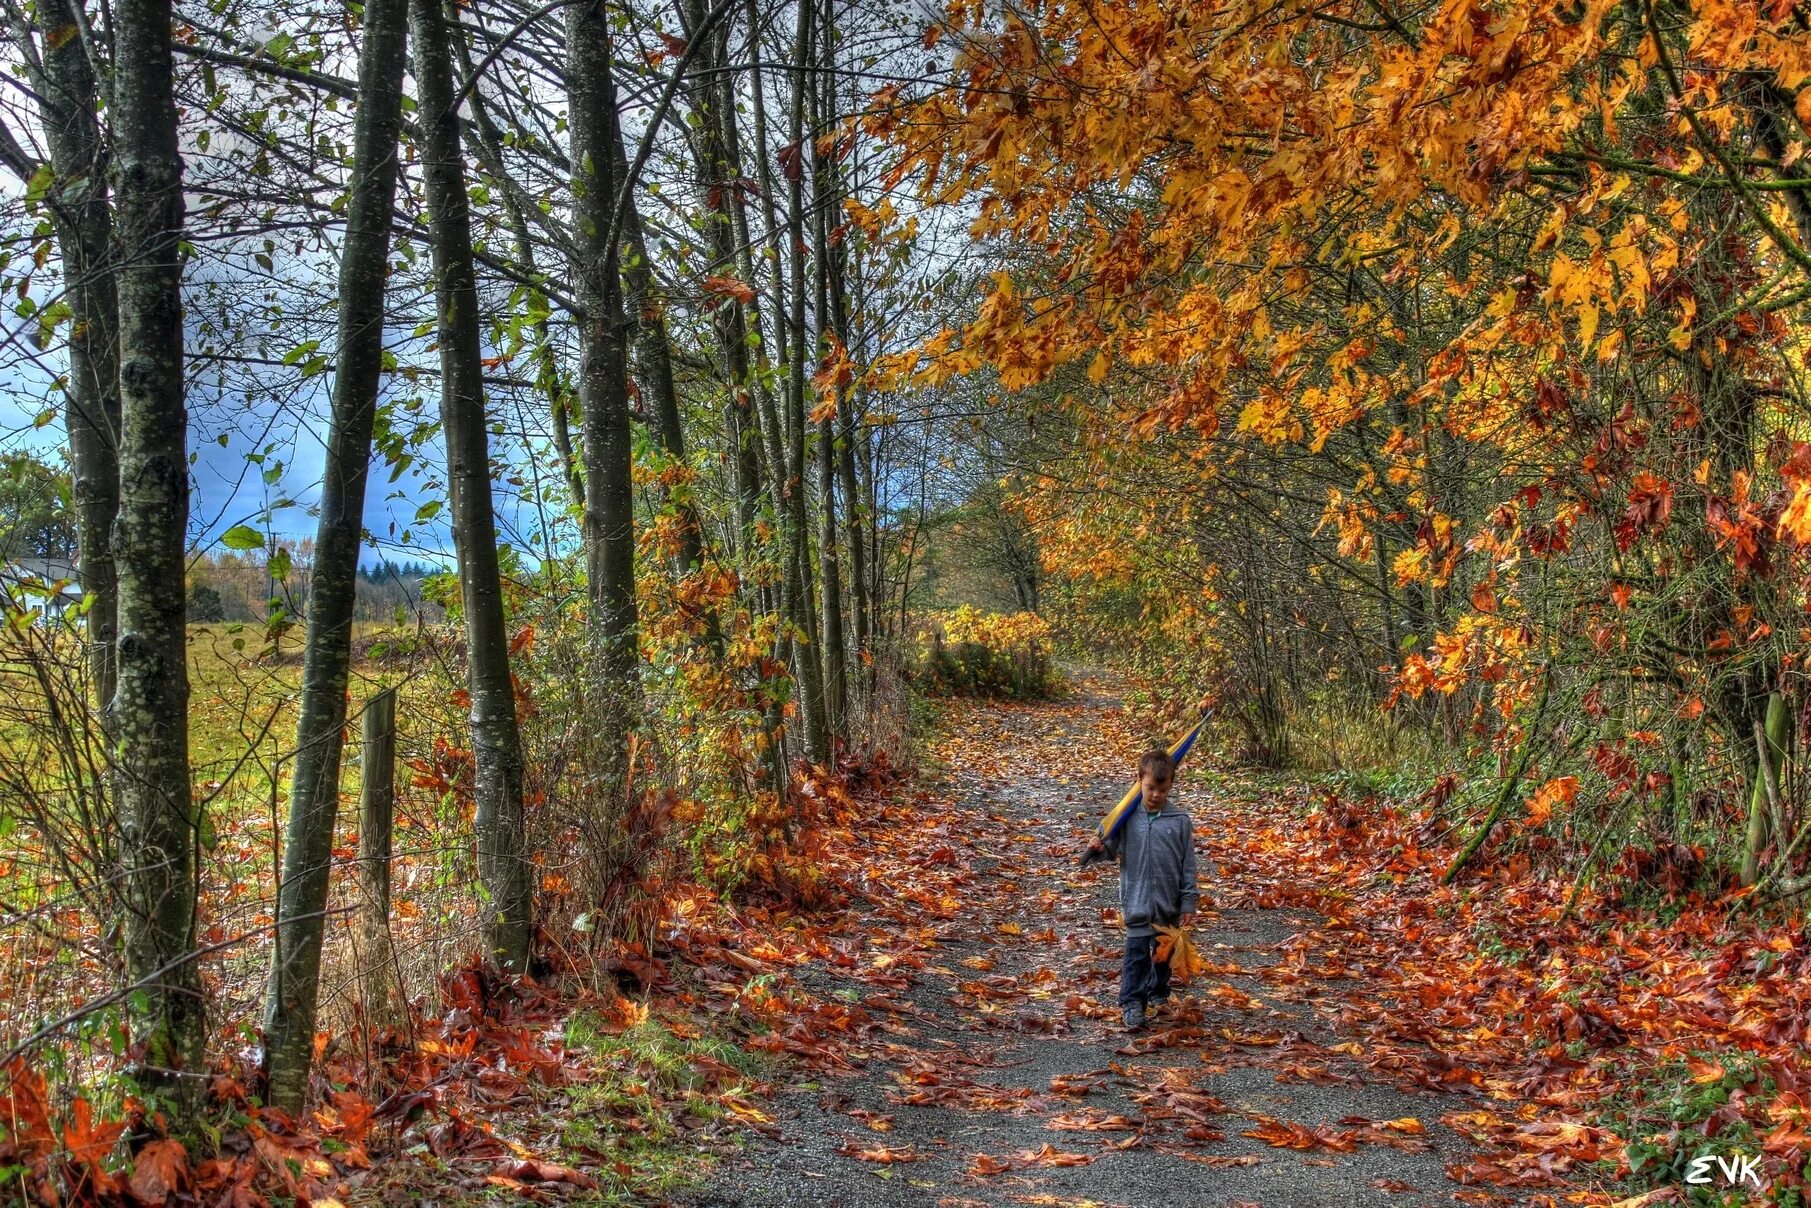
column 999, row 1073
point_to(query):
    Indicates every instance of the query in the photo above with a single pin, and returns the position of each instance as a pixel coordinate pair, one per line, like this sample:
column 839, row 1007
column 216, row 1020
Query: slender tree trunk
column 736, row 323
column 82, row 214
column 860, row 605
column 836, row 658
column 503, row 865
column 609, row 524
column 1775, row 731
column 645, row 313
column 807, row 664
column 550, row 379
column 774, row 445
column 1512, row 782
column 713, row 103
column 159, row 824
column 385, row 1005
column 829, row 342
column 289, row 1012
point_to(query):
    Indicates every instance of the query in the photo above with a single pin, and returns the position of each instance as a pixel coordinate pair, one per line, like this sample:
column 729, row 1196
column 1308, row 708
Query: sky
column 257, row 431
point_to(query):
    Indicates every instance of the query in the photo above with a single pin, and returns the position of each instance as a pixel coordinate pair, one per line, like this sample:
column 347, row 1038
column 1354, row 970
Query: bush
column 967, row 652
column 205, row 605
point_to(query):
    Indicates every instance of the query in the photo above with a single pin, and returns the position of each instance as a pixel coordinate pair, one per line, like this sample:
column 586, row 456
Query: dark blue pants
column 1142, row 978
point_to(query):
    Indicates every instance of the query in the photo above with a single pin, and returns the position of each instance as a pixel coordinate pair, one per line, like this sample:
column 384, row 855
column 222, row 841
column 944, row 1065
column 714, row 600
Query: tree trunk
column 736, row 323
column 1512, row 781
column 829, row 342
column 158, row 817
column 644, row 312
column 860, row 606
column 289, row 1013
column 835, row 253
column 713, row 103
column 773, row 447
column 1776, row 730
column 550, row 379
column 609, row 522
column 79, row 207
column 504, row 869
column 807, row 665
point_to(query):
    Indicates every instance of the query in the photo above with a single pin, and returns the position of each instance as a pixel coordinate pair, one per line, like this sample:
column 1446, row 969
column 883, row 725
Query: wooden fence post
column 384, row 1002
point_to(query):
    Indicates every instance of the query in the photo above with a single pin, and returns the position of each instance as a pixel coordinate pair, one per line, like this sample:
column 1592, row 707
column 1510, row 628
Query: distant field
column 244, row 692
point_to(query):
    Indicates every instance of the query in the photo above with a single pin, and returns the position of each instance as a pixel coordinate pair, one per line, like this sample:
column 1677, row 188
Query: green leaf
column 427, row 511
column 242, row 537
column 39, row 184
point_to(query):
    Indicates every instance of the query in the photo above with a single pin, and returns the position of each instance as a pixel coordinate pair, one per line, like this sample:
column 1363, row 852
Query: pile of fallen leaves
column 467, row 1091
column 1599, row 1045
column 475, row 1092
column 1639, row 1043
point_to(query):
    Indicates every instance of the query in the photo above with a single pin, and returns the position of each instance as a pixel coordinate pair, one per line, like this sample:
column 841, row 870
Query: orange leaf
column 729, row 287
column 87, row 1142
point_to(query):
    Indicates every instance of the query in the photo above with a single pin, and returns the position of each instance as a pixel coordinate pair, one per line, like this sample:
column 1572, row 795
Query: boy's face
column 1156, row 788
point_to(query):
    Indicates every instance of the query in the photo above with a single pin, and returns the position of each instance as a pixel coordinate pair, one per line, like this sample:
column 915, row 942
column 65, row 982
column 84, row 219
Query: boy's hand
column 1188, row 918
column 1095, row 845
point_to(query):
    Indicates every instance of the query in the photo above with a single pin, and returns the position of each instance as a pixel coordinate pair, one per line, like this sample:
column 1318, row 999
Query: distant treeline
column 225, row 587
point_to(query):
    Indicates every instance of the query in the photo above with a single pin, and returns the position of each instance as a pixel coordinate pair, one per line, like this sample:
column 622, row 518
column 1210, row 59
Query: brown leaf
column 884, row 1155
column 1285, row 1134
column 1186, row 963
column 1050, row 1155
column 729, row 287
column 160, row 1170
column 531, row 1170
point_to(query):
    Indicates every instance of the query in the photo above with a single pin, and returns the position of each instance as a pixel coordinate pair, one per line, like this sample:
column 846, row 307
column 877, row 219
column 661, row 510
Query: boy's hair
column 1157, row 764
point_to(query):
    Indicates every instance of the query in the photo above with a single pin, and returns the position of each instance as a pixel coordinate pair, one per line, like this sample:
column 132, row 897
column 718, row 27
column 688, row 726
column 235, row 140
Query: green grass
column 649, row 1084
column 1366, row 749
column 1660, row 1110
column 243, row 698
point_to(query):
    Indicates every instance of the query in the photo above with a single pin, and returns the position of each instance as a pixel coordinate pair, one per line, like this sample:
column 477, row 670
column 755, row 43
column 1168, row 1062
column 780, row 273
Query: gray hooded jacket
column 1157, row 874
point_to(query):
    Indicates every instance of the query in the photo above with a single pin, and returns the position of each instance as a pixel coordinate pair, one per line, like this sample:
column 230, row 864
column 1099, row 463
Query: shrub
column 967, row 652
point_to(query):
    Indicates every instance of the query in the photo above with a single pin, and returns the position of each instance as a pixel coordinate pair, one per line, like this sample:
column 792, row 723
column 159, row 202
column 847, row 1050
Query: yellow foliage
column 1186, row 961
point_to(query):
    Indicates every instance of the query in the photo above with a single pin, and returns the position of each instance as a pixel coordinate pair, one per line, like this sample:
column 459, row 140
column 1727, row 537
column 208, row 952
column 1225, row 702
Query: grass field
column 58, row 929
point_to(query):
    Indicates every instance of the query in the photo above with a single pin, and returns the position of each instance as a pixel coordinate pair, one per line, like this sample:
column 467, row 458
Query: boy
column 1155, row 847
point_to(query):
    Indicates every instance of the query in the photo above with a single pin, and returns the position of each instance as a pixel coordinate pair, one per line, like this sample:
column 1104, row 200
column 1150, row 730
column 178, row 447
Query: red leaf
column 792, row 161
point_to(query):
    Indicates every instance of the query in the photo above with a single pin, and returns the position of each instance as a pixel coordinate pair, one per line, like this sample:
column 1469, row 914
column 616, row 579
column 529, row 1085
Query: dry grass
column 58, row 939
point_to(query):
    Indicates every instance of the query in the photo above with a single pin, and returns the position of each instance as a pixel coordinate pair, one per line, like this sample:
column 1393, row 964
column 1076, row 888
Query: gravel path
column 1005, row 1042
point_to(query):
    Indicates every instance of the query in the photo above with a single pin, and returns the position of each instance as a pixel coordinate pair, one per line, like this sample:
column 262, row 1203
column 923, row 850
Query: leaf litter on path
column 1000, row 959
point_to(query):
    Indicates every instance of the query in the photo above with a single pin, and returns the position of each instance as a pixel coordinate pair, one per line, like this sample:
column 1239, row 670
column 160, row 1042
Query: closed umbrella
column 1116, row 817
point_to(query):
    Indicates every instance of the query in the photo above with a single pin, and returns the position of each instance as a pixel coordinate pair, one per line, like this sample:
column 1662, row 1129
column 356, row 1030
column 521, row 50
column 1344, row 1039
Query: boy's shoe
column 1134, row 1016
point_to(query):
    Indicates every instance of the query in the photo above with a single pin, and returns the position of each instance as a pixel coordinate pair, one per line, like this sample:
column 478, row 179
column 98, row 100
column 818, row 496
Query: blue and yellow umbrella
column 1116, row 817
